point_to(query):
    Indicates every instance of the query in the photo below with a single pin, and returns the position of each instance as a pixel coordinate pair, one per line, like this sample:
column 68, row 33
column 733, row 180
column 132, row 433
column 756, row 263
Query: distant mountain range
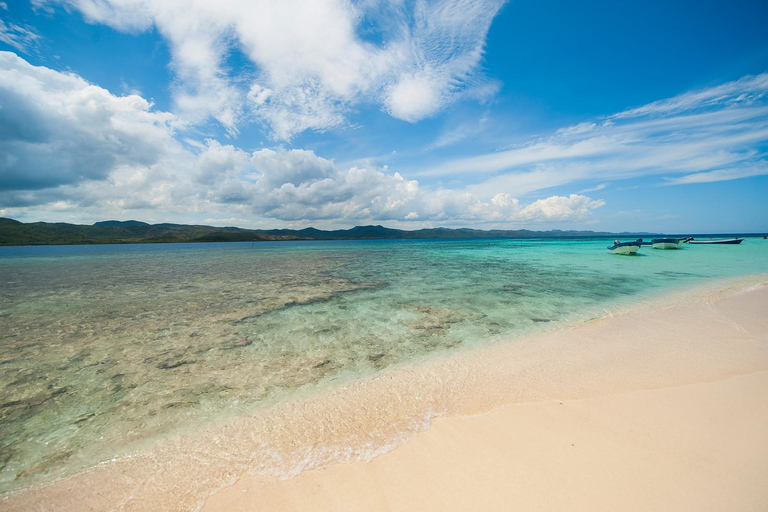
column 13, row 232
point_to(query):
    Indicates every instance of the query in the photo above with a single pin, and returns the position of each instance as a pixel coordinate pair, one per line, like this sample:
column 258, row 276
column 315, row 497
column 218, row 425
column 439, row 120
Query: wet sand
column 661, row 407
column 695, row 447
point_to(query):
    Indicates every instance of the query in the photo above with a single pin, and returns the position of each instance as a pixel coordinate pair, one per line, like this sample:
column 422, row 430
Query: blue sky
column 637, row 116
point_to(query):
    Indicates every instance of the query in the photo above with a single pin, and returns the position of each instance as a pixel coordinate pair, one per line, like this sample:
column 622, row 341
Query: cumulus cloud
column 558, row 208
column 312, row 59
column 56, row 128
column 68, row 145
column 710, row 135
column 414, row 97
column 299, row 185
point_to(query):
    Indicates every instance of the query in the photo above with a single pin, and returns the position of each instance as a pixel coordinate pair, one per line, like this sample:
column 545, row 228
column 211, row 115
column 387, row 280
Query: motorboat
column 669, row 243
column 724, row 241
column 624, row 247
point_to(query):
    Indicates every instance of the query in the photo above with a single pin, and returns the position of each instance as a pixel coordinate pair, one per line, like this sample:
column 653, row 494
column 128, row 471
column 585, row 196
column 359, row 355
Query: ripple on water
column 104, row 354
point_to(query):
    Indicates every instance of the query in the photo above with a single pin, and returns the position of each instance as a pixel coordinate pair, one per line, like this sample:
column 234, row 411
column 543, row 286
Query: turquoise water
column 105, row 349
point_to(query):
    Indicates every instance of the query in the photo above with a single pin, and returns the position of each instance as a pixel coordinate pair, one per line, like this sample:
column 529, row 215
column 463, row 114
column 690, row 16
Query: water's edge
column 320, row 327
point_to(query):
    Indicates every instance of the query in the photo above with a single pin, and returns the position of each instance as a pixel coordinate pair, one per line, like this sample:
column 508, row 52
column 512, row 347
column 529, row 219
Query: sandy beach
column 659, row 407
column 693, row 447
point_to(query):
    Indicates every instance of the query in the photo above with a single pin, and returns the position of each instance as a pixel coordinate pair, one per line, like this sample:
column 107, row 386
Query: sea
column 107, row 350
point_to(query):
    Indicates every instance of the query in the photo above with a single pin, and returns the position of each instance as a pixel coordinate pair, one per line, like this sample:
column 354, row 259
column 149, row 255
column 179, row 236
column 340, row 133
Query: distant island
column 13, row 232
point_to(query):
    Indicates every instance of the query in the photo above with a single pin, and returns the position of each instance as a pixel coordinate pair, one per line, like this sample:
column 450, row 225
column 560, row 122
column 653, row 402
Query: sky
column 636, row 116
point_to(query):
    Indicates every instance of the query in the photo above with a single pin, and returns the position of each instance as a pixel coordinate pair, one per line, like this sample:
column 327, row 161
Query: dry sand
column 661, row 407
column 700, row 446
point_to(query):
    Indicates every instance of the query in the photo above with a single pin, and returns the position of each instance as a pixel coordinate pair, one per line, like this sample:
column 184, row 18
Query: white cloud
column 414, row 97
column 70, row 146
column 22, row 37
column 558, row 208
column 710, row 131
column 760, row 169
column 741, row 92
column 601, row 186
column 56, row 128
column 312, row 63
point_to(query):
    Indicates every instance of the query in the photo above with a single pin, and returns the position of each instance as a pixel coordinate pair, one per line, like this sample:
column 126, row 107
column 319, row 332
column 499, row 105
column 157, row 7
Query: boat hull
column 668, row 243
column 725, row 241
column 631, row 249
column 625, row 248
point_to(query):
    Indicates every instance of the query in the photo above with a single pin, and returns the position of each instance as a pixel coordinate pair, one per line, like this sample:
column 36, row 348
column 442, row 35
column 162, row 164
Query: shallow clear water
column 106, row 348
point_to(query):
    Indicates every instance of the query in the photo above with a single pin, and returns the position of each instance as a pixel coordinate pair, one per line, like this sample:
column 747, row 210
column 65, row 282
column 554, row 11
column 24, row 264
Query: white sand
column 701, row 446
column 663, row 407
column 698, row 447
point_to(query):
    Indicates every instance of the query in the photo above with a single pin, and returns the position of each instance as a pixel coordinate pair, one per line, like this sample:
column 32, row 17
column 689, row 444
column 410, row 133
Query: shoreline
column 711, row 333
column 692, row 447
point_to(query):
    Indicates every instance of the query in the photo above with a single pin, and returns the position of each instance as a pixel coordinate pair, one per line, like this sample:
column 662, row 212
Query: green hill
column 13, row 232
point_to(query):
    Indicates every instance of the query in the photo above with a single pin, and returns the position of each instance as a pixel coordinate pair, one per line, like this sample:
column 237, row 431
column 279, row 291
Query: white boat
column 728, row 241
column 668, row 243
column 624, row 247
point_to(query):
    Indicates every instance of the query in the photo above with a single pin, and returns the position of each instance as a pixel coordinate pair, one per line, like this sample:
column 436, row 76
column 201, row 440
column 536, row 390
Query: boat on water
column 624, row 247
column 669, row 243
column 724, row 241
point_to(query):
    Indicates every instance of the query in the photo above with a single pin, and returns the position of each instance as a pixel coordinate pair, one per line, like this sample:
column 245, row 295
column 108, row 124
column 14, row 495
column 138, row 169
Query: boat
column 669, row 243
column 729, row 241
column 624, row 247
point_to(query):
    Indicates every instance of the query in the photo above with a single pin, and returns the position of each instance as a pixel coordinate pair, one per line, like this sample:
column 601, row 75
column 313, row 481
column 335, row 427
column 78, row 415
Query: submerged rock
column 180, row 403
column 84, row 417
column 170, row 364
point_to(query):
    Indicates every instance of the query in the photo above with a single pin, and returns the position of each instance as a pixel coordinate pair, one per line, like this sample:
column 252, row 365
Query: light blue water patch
column 103, row 348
